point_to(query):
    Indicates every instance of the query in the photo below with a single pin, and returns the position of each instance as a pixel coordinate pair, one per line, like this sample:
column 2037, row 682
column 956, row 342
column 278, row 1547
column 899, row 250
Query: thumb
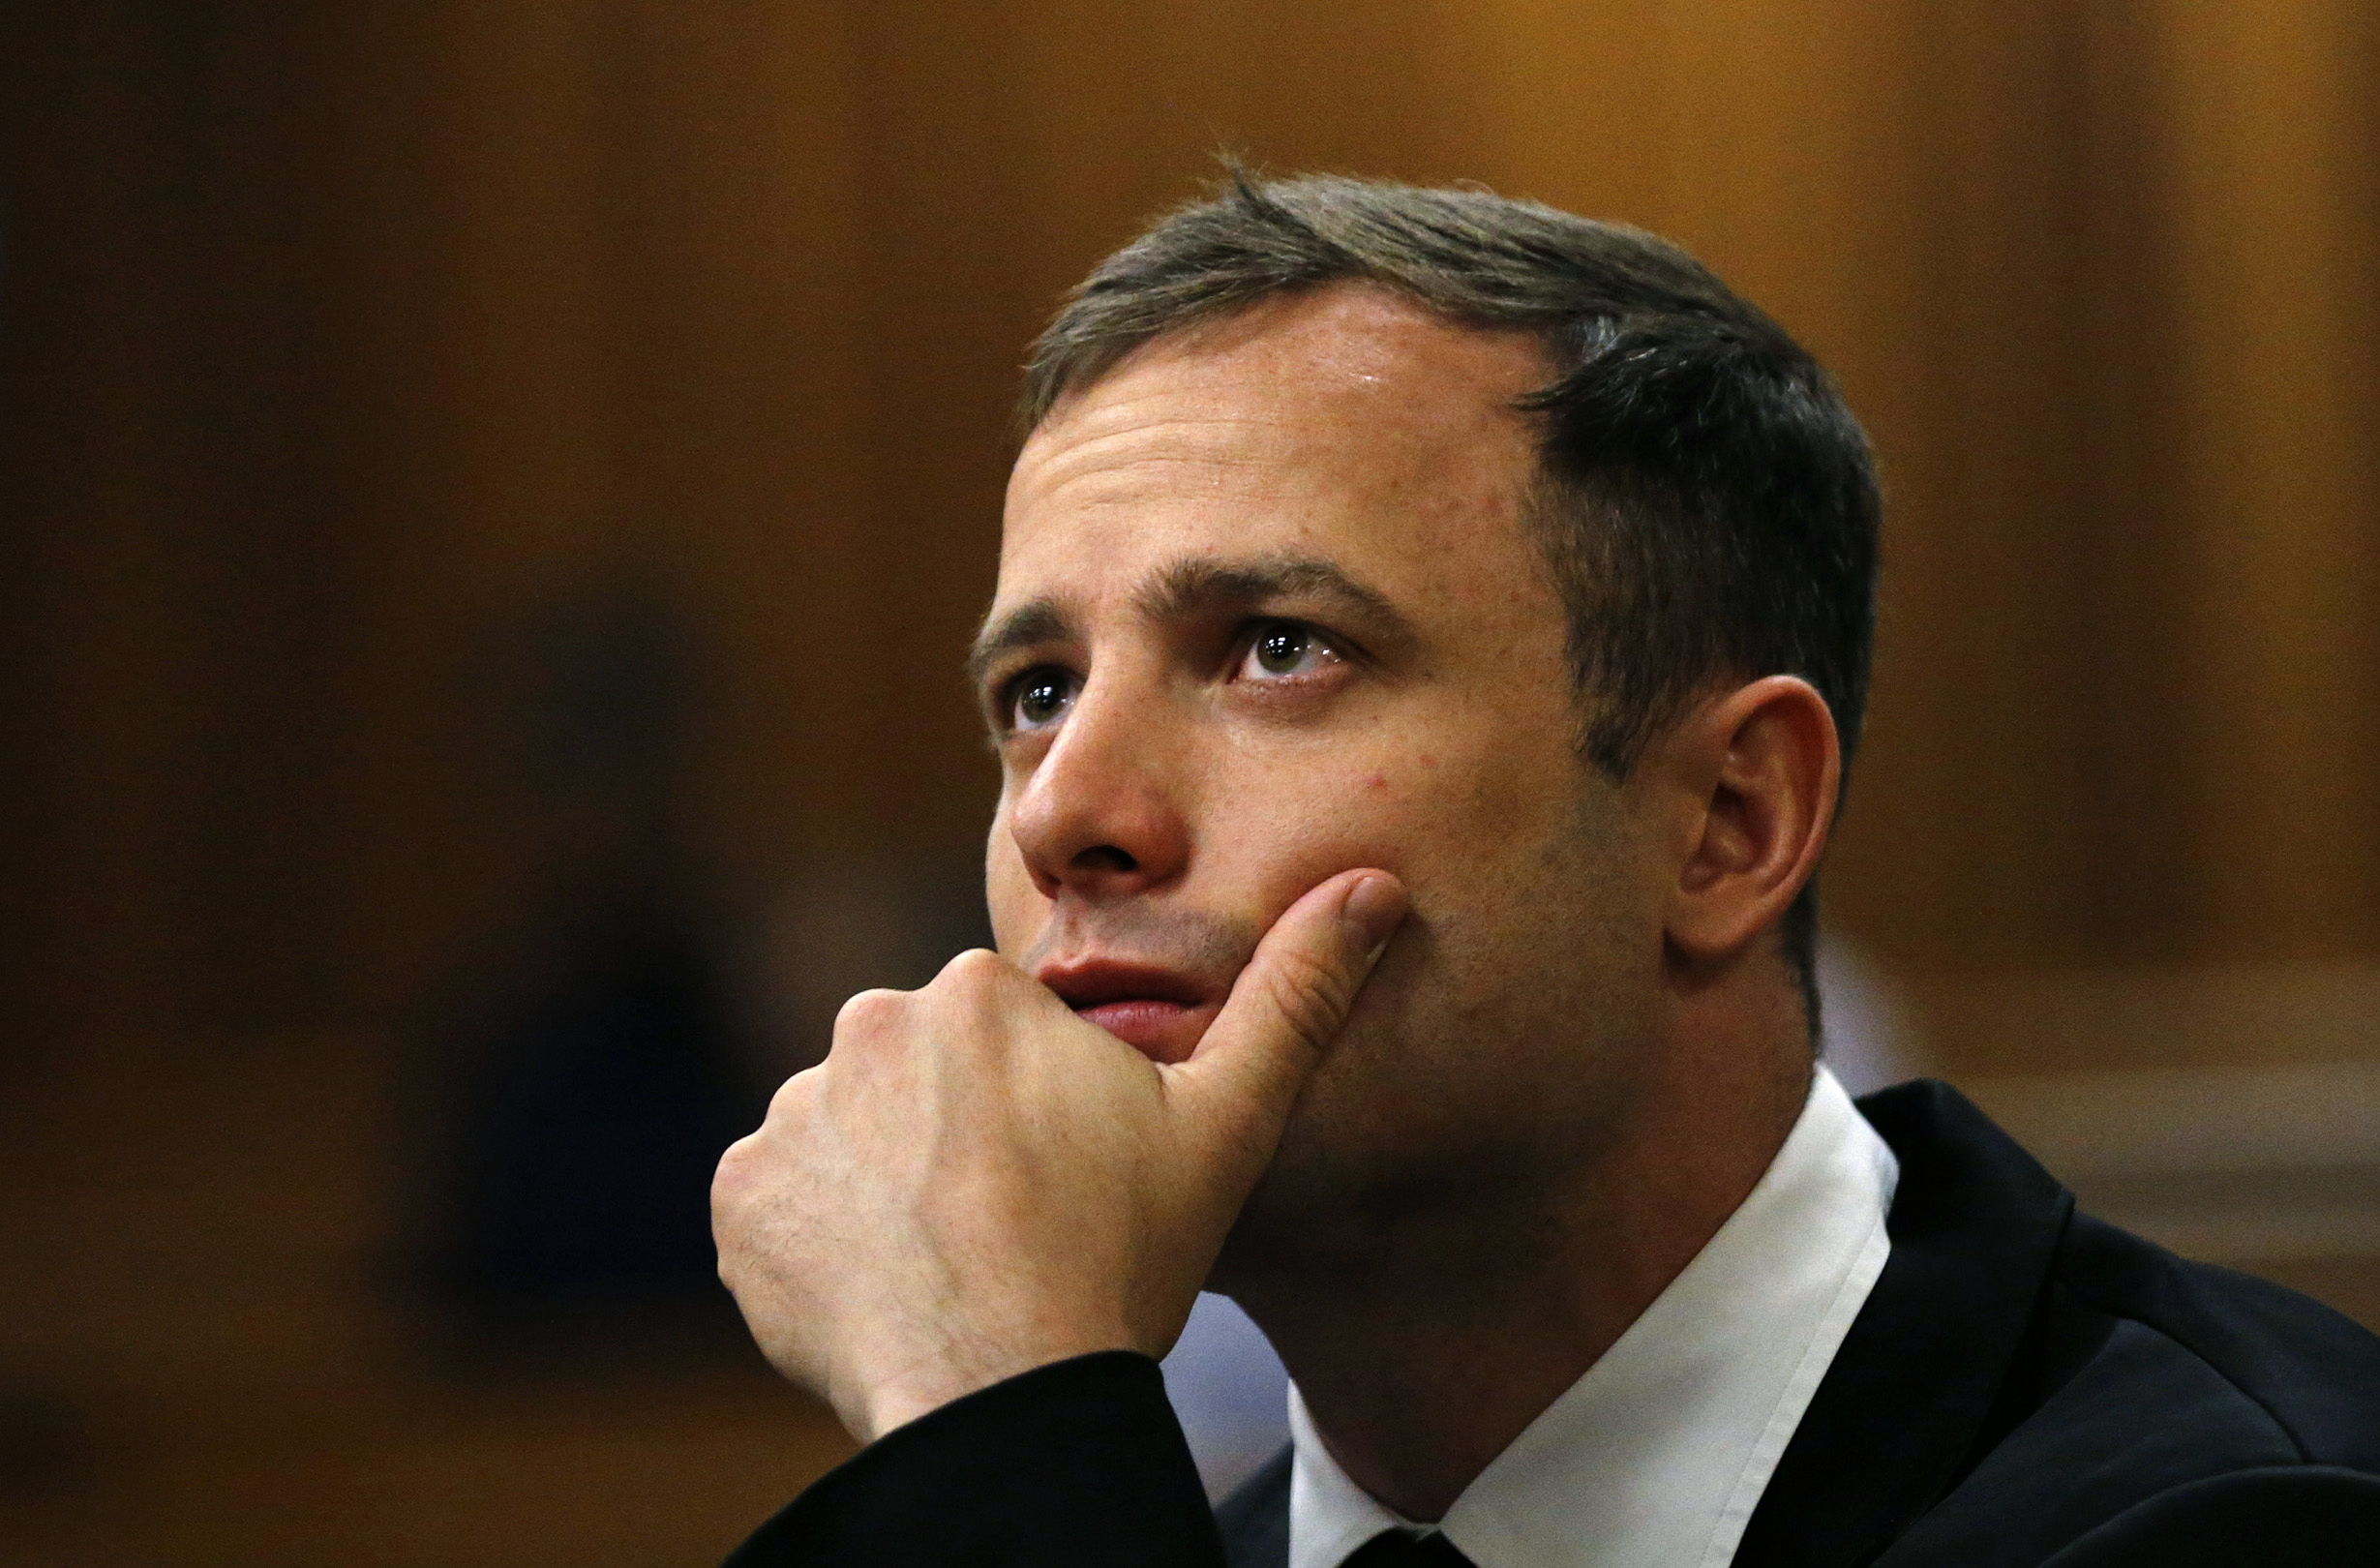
column 1290, row 1004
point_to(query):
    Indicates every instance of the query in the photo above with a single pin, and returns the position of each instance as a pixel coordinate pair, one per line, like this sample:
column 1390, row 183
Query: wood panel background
column 332, row 339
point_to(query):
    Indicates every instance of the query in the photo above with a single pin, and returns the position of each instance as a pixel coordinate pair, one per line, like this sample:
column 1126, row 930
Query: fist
column 975, row 1182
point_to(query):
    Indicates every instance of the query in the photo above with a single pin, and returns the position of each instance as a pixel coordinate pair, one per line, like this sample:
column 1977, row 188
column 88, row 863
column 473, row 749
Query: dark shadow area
column 591, row 1066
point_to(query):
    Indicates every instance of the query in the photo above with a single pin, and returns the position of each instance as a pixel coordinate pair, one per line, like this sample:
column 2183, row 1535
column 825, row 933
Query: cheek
column 1505, row 850
column 1363, row 800
column 1309, row 808
column 1464, row 807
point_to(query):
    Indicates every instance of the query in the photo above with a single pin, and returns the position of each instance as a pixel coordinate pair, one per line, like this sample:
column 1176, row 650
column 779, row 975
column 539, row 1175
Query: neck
column 1423, row 1361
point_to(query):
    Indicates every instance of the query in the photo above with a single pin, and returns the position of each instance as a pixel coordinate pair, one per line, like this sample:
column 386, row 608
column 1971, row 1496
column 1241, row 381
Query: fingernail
column 1375, row 908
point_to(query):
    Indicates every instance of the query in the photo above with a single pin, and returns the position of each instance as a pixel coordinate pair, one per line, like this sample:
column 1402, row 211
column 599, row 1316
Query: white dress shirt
column 1657, row 1455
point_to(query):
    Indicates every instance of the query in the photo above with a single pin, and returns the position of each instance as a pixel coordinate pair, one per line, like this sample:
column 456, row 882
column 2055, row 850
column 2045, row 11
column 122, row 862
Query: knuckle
column 974, row 970
column 866, row 1013
column 791, row 1101
column 733, row 1178
column 974, row 987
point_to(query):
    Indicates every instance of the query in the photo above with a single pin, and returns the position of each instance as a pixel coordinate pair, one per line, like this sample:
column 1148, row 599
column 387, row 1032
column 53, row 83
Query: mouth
column 1159, row 1013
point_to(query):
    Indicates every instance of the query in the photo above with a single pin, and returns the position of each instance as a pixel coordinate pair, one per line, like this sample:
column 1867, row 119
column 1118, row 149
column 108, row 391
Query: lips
column 1159, row 1013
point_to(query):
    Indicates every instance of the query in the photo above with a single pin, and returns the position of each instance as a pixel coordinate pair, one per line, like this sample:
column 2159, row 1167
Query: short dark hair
column 1706, row 501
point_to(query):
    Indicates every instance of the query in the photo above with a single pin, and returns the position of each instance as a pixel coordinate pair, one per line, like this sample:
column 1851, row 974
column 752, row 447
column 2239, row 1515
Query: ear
column 1752, row 774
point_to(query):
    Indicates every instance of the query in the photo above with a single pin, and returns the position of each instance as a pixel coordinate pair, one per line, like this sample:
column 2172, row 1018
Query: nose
column 1102, row 816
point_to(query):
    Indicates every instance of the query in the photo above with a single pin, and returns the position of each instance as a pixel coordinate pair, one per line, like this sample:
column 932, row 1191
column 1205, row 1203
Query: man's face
column 1267, row 611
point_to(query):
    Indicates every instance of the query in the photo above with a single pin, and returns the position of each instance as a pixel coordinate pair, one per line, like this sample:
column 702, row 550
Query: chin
column 1327, row 1199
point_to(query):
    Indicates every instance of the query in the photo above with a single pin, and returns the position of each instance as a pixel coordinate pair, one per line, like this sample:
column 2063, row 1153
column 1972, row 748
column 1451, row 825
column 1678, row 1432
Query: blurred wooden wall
column 332, row 336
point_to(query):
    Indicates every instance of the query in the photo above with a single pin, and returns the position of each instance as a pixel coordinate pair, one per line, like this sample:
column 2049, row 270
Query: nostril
column 1104, row 857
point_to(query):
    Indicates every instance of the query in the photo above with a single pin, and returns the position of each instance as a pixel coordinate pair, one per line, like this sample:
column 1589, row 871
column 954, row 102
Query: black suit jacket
column 2025, row 1386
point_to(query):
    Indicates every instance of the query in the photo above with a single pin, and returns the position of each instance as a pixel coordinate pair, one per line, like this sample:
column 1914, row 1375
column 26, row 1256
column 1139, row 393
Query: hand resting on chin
column 975, row 1182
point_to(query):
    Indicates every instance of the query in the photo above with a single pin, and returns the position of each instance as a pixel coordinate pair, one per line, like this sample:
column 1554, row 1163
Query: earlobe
column 1761, row 768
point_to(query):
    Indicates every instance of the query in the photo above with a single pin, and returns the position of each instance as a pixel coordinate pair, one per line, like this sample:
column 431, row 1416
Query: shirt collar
column 1657, row 1455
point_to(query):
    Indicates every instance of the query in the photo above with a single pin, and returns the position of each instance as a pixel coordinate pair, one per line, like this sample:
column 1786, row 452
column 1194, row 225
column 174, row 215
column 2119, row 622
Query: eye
column 1038, row 697
column 1286, row 650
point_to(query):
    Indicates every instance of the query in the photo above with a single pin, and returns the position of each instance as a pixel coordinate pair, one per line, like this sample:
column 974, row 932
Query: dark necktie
column 1394, row 1549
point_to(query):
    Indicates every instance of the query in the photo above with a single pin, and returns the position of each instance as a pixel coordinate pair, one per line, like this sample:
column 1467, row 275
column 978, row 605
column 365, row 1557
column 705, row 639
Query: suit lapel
column 1908, row 1403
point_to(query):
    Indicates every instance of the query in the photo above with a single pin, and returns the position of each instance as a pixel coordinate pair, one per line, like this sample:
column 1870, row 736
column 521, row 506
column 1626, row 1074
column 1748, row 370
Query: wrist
column 957, row 1369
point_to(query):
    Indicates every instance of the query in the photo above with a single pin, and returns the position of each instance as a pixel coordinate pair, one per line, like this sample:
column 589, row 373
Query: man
column 1430, row 633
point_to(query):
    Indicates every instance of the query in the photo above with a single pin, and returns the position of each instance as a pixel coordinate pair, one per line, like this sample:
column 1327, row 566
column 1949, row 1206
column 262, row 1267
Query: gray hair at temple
column 1704, row 500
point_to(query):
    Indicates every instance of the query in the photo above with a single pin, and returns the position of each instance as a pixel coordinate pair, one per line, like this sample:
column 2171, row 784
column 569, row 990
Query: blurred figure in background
column 592, row 1058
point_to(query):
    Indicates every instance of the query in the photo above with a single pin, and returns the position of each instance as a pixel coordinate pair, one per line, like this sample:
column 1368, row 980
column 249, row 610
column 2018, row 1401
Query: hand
column 975, row 1182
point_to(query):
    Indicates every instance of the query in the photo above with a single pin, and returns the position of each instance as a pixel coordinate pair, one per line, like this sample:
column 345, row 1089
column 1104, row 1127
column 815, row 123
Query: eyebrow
column 1028, row 625
column 1189, row 587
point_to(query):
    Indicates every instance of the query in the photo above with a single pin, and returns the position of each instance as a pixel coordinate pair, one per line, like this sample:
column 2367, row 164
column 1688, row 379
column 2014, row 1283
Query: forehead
column 1346, row 424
